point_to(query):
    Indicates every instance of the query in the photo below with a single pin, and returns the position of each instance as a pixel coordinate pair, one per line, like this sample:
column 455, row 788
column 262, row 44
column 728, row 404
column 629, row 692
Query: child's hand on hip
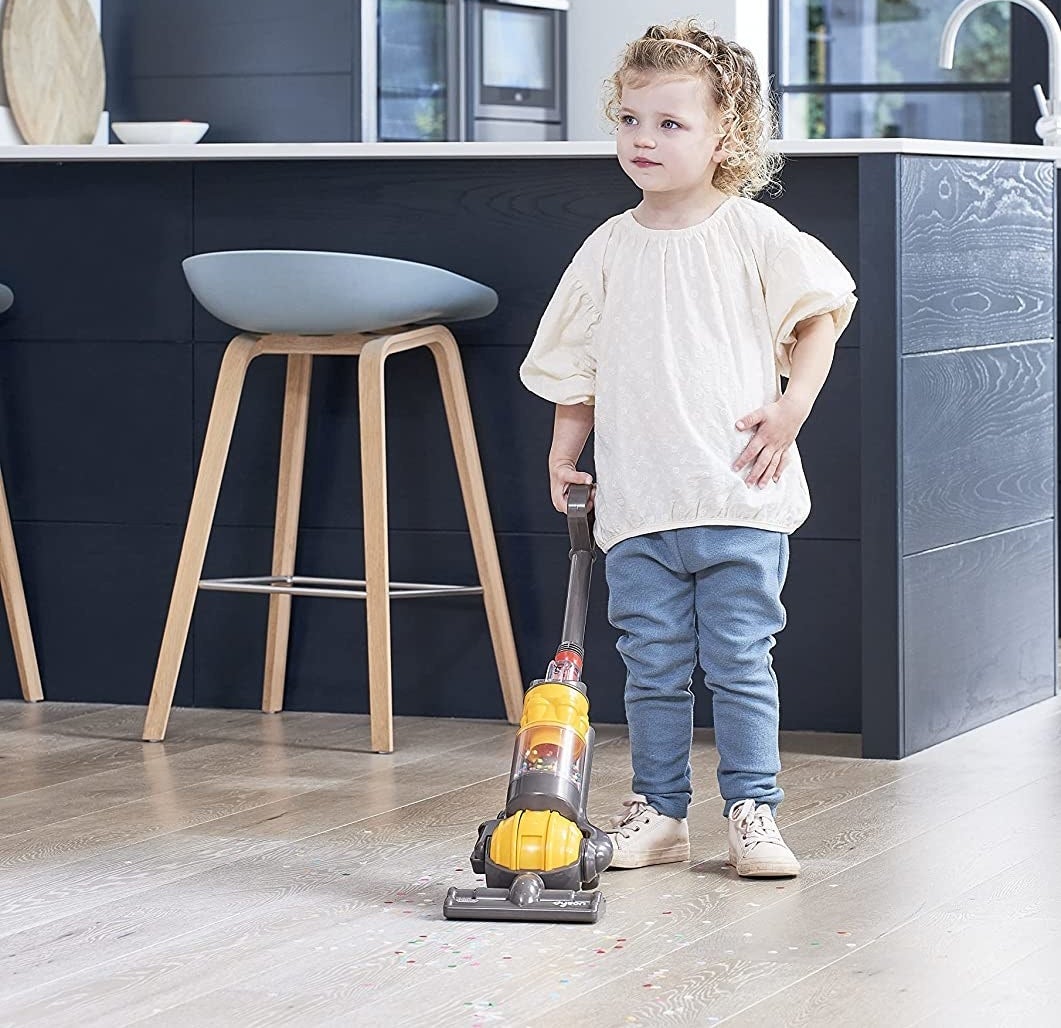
column 562, row 474
column 775, row 427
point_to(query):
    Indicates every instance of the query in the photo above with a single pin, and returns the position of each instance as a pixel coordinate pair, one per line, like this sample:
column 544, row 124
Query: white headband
column 691, row 46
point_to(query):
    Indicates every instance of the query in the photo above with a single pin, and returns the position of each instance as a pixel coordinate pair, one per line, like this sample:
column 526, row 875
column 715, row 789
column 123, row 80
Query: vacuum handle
column 583, row 554
column 578, row 526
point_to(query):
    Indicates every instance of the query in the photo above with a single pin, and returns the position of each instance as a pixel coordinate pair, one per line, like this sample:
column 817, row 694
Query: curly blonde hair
column 749, row 120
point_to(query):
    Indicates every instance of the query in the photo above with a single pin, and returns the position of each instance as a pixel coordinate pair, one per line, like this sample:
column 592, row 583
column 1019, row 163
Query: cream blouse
column 673, row 334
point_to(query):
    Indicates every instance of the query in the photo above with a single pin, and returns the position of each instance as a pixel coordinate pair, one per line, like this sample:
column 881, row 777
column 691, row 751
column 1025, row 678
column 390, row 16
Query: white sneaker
column 756, row 848
column 641, row 835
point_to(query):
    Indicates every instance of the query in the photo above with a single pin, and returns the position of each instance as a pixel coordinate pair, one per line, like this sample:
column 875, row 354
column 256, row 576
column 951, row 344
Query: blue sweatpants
column 711, row 593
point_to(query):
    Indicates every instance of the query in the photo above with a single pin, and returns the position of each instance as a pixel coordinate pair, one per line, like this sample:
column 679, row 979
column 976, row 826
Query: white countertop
column 604, row 148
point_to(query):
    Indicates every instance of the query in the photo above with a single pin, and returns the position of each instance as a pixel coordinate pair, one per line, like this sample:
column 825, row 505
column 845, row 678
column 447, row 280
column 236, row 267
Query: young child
column 667, row 337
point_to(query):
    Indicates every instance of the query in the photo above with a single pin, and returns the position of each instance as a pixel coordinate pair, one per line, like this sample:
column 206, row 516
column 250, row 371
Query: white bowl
column 160, row 131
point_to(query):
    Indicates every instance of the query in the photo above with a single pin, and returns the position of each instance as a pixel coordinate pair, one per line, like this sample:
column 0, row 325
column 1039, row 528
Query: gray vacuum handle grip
column 578, row 526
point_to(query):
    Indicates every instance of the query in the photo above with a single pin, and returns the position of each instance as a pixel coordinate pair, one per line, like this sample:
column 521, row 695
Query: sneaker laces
column 756, row 824
column 637, row 809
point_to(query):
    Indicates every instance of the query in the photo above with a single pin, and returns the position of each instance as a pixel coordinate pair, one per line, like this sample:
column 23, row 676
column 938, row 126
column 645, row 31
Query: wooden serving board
column 53, row 69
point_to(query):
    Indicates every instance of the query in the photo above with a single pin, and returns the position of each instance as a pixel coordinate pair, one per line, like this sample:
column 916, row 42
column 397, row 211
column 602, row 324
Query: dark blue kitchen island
column 922, row 593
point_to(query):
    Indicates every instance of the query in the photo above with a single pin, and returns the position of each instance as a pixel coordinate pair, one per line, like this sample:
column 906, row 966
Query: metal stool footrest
column 334, row 588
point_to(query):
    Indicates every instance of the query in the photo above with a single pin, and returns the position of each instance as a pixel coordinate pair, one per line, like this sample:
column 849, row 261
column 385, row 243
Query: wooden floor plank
column 1023, row 994
column 365, row 786
column 292, row 746
column 935, row 958
column 16, row 715
column 318, row 884
column 100, row 741
column 804, row 951
column 679, row 909
column 291, row 752
column 271, row 875
column 85, row 882
column 407, row 862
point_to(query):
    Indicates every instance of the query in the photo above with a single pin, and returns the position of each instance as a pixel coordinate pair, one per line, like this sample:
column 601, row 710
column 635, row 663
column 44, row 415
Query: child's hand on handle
column 775, row 427
column 562, row 474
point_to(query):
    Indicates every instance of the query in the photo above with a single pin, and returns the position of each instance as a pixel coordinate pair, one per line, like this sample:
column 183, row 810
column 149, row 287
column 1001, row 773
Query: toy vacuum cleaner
column 541, row 856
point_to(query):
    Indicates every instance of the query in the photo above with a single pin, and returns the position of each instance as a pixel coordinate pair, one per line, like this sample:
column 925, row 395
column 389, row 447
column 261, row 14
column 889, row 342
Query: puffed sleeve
column 561, row 365
column 804, row 278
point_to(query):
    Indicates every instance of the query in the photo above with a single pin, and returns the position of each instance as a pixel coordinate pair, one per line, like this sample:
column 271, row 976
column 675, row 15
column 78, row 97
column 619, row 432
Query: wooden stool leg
column 15, row 603
column 285, row 538
column 470, row 471
column 237, row 357
column 372, row 409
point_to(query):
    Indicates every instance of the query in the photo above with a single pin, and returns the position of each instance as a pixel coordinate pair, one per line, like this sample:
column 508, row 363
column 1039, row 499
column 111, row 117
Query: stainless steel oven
column 463, row 69
column 515, row 68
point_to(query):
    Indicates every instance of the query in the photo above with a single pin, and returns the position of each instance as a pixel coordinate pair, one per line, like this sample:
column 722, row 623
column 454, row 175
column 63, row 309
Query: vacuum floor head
column 526, row 900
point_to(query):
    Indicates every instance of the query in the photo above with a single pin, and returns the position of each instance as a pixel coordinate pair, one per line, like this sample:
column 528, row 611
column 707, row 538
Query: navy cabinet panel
column 97, row 431
column 97, row 252
column 821, row 196
column 979, row 638
column 256, row 70
column 513, row 428
column 829, row 448
column 249, row 108
column 977, row 245
column 237, row 37
column 443, row 664
column 97, row 597
column 818, row 654
column 978, row 430
column 514, row 227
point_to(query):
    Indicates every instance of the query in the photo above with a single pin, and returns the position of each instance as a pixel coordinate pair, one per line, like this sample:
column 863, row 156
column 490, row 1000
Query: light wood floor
column 268, row 870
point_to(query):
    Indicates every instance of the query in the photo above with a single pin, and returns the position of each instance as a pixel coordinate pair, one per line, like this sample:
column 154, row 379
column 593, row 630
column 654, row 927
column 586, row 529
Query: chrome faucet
column 1048, row 127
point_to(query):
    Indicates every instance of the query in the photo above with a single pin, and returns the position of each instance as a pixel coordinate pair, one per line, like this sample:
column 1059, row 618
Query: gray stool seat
column 6, row 297
column 317, row 292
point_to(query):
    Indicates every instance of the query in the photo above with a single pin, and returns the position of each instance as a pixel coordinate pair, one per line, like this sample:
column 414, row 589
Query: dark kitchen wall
column 256, row 70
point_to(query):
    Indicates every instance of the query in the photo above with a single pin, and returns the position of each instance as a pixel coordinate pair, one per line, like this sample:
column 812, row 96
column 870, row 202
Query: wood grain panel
column 978, row 442
column 977, row 252
column 978, row 632
column 53, row 70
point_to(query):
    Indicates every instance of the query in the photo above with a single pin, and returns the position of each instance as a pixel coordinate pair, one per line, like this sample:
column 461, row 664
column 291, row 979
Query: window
column 870, row 68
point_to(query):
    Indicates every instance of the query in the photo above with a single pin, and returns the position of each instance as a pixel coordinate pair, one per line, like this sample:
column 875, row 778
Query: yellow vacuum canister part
column 535, row 840
column 559, row 704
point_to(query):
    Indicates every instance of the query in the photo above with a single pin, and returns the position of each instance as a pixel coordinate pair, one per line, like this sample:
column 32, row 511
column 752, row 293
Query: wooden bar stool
column 303, row 304
column 29, row 675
